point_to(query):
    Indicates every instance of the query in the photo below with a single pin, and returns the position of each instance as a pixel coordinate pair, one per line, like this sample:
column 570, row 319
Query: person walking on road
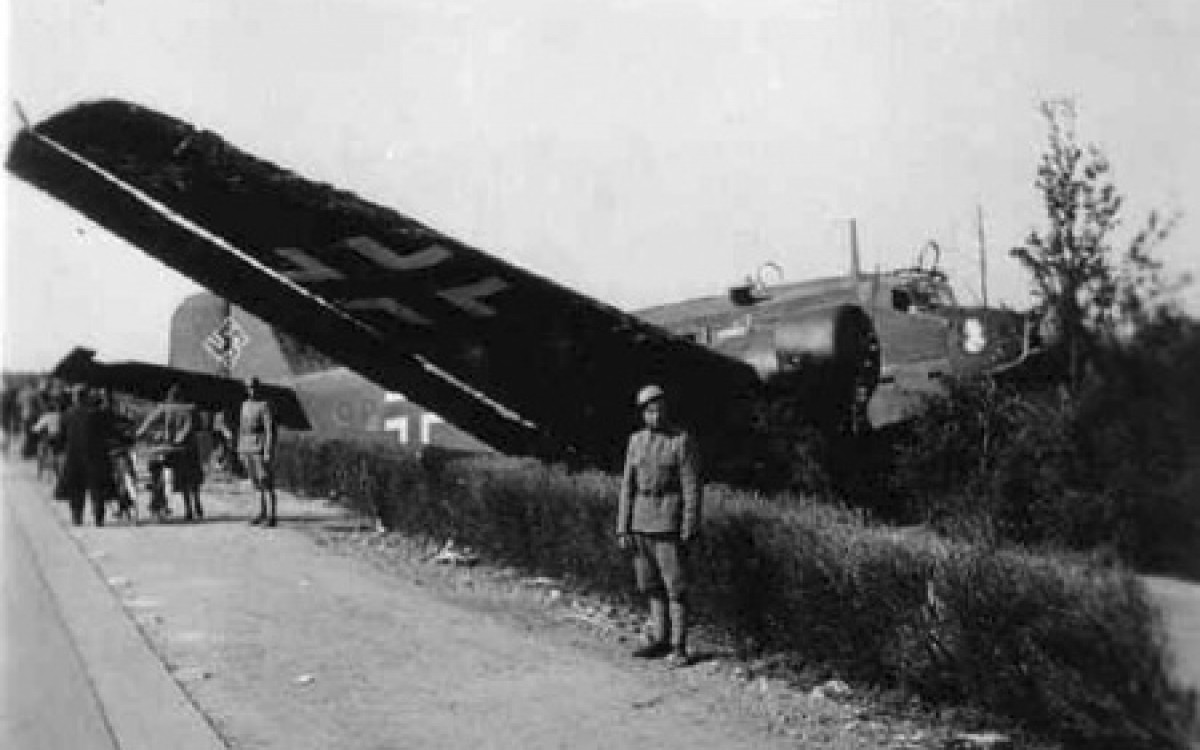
column 257, row 436
column 10, row 418
column 658, row 517
column 173, row 428
column 87, row 468
column 31, row 402
column 49, row 433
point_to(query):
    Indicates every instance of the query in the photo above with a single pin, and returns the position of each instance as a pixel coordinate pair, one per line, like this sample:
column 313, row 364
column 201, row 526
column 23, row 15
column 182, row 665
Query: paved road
column 76, row 672
column 47, row 700
column 283, row 645
column 214, row 635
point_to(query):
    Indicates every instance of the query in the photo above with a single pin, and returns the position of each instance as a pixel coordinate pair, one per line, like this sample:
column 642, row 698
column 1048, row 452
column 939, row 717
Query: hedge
column 1072, row 652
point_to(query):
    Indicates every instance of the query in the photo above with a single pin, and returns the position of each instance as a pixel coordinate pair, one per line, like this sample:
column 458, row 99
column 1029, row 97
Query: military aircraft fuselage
column 890, row 337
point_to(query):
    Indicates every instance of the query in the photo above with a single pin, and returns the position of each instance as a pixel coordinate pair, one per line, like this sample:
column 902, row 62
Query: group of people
column 658, row 516
column 71, row 433
column 21, row 409
column 85, row 442
column 171, row 432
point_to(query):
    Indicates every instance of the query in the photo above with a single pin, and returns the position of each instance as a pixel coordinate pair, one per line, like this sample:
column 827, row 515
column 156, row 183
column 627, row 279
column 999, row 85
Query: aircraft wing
column 520, row 361
column 150, row 382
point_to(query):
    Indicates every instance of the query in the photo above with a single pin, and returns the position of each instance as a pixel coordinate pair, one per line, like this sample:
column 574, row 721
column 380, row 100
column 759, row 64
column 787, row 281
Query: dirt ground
column 322, row 634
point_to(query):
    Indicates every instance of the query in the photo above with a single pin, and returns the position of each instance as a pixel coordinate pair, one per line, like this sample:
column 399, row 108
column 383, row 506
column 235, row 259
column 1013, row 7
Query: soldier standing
column 257, row 435
column 658, row 515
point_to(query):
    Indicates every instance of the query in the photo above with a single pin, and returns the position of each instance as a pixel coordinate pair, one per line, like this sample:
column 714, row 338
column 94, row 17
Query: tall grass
column 1073, row 653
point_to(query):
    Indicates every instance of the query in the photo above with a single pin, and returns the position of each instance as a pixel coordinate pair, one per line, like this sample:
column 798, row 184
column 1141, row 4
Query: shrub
column 1077, row 653
column 1073, row 653
column 1112, row 467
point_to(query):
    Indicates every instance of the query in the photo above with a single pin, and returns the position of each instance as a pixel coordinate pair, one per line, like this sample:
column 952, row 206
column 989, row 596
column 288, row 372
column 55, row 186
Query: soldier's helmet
column 648, row 394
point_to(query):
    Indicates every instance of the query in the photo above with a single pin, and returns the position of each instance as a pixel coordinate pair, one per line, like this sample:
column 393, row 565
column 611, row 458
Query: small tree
column 1089, row 295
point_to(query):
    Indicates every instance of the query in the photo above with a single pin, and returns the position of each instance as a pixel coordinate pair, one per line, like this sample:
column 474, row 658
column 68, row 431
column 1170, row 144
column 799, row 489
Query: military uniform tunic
column 660, row 491
column 256, row 441
column 660, row 508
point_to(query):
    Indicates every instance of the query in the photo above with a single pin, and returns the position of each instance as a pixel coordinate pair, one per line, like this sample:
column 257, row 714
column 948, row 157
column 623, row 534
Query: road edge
column 144, row 706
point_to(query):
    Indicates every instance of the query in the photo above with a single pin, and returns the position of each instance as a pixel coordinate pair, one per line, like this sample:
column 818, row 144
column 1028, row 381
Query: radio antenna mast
column 982, row 257
column 855, row 262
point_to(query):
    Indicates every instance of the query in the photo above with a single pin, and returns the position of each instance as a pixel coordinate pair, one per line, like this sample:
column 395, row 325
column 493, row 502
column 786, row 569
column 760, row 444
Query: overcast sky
column 637, row 151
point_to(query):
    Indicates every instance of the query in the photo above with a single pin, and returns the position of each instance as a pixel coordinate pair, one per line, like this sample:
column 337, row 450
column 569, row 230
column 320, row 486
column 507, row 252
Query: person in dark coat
column 10, row 417
column 658, row 517
column 87, row 471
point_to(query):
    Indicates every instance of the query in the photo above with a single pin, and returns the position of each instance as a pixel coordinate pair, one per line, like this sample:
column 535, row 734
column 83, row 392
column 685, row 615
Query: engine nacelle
column 822, row 364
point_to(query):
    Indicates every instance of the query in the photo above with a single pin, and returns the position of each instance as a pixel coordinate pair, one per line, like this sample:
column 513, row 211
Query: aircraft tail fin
column 210, row 335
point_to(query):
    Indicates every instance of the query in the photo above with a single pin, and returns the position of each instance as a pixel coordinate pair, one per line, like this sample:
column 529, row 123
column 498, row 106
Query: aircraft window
column 943, row 297
column 921, row 298
column 701, row 336
column 733, row 330
column 934, row 295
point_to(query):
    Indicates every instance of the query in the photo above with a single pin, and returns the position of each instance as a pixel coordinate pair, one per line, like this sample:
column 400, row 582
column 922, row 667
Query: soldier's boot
column 678, row 616
column 660, row 645
column 261, row 518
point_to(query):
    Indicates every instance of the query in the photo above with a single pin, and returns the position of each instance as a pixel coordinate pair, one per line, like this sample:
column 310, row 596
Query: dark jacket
column 88, row 434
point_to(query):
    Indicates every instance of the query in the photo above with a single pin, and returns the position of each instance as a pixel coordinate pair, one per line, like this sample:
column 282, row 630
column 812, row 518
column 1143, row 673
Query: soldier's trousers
column 660, row 565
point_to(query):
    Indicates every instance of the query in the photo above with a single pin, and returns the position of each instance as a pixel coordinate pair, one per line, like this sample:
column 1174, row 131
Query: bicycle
column 155, row 459
column 125, row 479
